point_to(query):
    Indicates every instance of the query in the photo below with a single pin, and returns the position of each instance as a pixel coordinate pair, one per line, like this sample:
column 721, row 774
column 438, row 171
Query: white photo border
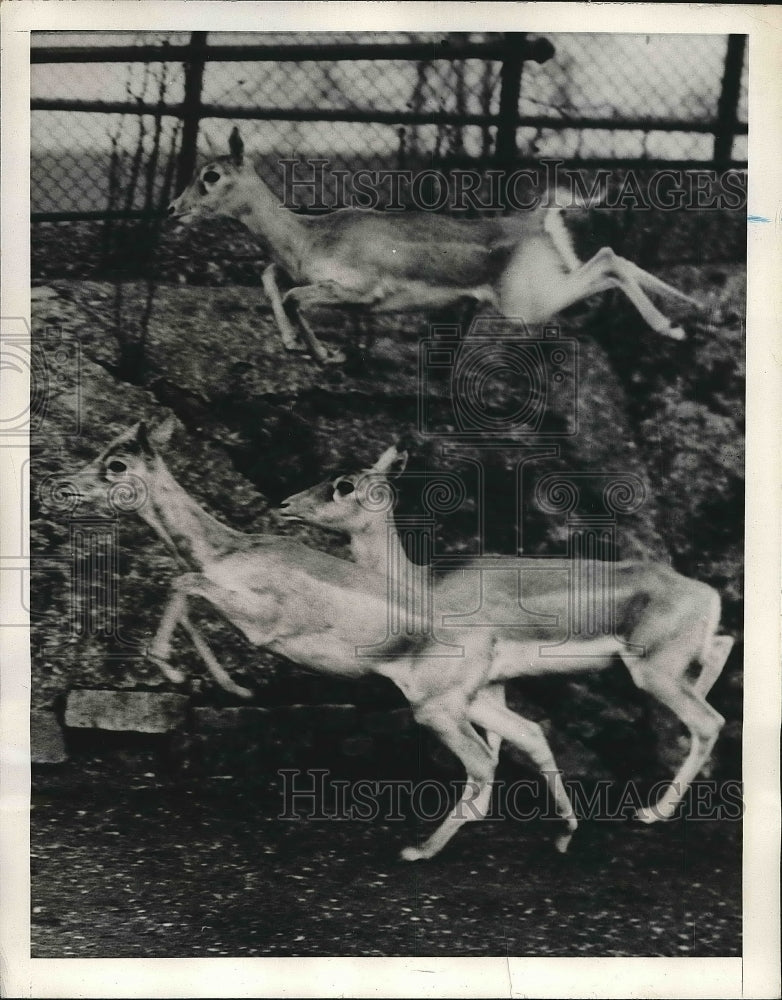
column 756, row 974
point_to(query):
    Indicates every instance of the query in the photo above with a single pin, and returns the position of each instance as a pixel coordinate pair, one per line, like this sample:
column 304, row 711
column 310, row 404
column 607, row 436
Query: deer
column 522, row 265
column 309, row 607
column 674, row 619
column 329, row 614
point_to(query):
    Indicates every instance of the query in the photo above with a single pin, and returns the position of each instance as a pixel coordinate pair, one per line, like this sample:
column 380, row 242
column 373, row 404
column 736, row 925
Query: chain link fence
column 119, row 119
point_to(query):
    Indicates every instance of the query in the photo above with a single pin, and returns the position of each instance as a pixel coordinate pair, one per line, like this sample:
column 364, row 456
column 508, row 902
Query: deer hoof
column 562, row 842
column 241, row 692
column 333, row 357
column 654, row 814
column 174, row 675
column 675, row 333
column 411, row 854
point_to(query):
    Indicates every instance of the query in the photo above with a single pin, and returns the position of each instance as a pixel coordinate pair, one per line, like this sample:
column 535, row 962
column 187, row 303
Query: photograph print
column 386, row 493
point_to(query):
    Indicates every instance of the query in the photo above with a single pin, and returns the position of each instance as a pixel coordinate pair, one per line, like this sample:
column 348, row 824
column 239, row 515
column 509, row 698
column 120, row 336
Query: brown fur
column 523, row 265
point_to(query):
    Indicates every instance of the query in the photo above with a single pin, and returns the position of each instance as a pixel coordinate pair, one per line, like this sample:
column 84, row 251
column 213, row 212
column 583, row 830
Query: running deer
column 669, row 620
column 314, row 609
column 332, row 616
column 522, row 265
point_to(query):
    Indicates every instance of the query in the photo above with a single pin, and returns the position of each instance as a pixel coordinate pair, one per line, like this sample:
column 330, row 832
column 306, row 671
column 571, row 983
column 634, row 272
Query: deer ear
column 236, row 147
column 400, row 463
column 391, row 462
column 143, row 439
column 162, row 434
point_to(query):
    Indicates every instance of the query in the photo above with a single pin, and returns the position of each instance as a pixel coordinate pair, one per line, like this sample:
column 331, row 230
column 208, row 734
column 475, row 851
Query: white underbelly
column 538, row 657
column 324, row 653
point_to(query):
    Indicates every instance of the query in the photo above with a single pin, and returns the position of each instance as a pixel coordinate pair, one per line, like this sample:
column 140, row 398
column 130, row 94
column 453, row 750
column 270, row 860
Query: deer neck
column 378, row 547
column 280, row 228
column 192, row 535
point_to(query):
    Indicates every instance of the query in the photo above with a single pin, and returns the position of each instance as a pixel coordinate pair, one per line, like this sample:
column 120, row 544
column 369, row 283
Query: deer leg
column 318, row 351
column 712, row 663
column 460, row 737
column 176, row 614
column 330, row 293
column 704, row 724
column 600, row 274
column 220, row 675
column 269, row 281
column 416, row 296
column 539, row 303
column 323, row 294
column 528, row 737
column 606, row 266
column 473, row 306
column 494, row 693
column 654, row 284
column 160, row 650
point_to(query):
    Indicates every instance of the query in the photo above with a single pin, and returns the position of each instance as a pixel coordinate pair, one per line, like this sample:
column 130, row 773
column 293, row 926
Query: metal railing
column 499, row 116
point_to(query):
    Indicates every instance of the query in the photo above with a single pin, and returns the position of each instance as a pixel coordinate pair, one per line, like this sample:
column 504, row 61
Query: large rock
column 47, row 745
column 126, row 711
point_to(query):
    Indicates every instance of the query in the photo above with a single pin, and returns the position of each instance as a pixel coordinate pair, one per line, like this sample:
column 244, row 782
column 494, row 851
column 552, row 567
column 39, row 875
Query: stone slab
column 47, row 744
column 126, row 711
column 207, row 719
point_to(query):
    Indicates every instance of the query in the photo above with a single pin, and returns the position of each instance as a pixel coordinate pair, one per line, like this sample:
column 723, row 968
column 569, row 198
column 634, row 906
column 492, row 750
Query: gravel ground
column 139, row 864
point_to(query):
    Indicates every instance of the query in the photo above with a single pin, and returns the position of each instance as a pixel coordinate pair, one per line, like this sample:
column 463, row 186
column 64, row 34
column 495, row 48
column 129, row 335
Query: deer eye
column 116, row 466
column 344, row 487
column 211, row 177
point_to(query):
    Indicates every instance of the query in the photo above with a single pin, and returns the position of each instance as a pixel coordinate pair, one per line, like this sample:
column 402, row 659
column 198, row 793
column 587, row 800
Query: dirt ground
column 132, row 865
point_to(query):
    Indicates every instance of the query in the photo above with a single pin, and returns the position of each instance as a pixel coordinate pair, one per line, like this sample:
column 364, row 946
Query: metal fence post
column 509, row 51
column 510, row 89
column 191, row 108
column 727, row 107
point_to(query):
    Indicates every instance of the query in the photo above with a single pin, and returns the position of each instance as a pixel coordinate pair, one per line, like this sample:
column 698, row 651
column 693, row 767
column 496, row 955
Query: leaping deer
column 310, row 607
column 324, row 613
column 524, row 265
column 674, row 618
